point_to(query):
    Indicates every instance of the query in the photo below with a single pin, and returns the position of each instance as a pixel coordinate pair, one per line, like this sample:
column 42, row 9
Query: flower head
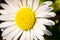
column 25, row 19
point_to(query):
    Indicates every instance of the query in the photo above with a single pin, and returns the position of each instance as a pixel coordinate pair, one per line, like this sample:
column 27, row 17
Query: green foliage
column 41, row 1
column 56, row 5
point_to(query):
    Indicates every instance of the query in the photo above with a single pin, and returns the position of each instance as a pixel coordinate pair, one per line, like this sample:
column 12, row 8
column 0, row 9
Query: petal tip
column 47, row 32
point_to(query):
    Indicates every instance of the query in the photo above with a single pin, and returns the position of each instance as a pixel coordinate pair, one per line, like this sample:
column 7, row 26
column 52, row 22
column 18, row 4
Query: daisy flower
column 25, row 19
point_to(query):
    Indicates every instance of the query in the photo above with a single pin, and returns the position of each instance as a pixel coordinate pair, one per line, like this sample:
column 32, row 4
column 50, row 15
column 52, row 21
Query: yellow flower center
column 25, row 19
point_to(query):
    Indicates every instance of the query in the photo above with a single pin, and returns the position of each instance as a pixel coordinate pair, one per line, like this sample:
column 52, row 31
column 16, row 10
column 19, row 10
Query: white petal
column 5, row 6
column 41, row 27
column 52, row 14
column 45, row 14
column 28, row 35
column 23, row 37
column 18, row 2
column 45, row 21
column 33, row 35
column 30, row 3
column 6, row 24
column 44, row 6
column 8, row 11
column 7, row 17
column 47, row 32
column 12, row 3
column 12, row 34
column 35, row 5
column 3, row 11
column 47, row 3
column 17, row 36
column 39, row 30
column 8, row 30
column 24, row 3
column 41, row 8
column 40, row 37
column 2, row 29
column 49, row 9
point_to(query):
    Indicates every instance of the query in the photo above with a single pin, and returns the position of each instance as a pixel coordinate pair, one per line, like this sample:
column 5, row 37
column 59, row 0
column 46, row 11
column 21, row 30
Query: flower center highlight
column 25, row 19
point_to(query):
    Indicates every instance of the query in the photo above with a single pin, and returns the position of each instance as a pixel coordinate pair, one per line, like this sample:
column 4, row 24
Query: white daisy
column 25, row 19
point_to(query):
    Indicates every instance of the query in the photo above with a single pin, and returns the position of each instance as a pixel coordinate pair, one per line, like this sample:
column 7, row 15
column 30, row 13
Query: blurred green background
column 54, row 29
